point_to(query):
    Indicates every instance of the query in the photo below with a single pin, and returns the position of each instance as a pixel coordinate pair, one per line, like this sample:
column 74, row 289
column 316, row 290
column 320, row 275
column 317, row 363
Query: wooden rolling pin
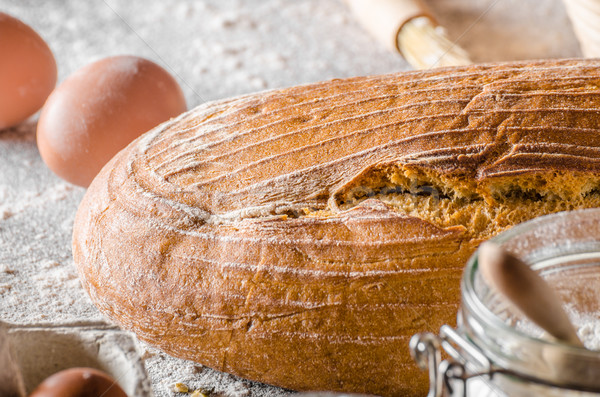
column 408, row 27
column 585, row 17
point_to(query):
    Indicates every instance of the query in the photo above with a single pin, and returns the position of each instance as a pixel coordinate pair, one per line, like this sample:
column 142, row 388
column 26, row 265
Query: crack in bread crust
column 484, row 209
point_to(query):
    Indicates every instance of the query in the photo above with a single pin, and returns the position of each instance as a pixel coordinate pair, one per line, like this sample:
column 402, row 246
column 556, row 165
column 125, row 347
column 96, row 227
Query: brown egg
column 27, row 71
column 79, row 382
column 99, row 110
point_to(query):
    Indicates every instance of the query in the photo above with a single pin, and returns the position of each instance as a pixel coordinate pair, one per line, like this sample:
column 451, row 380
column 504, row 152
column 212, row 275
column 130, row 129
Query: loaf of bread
column 300, row 237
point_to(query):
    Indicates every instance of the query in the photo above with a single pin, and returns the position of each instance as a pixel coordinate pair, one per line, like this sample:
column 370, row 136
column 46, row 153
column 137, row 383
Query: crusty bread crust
column 301, row 236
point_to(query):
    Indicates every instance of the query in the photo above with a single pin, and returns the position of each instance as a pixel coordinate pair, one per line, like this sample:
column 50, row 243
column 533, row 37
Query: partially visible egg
column 27, row 71
column 79, row 382
column 99, row 110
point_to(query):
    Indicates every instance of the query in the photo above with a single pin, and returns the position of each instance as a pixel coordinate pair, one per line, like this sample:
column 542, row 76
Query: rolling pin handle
column 385, row 18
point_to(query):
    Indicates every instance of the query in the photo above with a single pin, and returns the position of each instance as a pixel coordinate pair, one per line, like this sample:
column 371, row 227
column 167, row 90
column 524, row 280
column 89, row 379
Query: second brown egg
column 99, row 110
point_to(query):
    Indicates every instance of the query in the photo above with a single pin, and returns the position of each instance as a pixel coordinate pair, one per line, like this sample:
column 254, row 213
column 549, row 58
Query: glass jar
column 496, row 351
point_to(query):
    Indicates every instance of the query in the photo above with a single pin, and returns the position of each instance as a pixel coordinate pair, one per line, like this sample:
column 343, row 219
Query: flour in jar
column 588, row 328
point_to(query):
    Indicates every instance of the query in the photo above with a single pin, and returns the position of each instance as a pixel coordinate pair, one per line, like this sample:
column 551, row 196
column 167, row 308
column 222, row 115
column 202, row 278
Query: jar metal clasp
column 449, row 377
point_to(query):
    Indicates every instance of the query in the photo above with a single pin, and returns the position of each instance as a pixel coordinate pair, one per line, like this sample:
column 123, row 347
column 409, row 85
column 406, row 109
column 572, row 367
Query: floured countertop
column 215, row 49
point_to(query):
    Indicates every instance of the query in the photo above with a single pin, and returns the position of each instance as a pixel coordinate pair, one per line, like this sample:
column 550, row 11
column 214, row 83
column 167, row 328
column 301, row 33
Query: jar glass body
column 564, row 248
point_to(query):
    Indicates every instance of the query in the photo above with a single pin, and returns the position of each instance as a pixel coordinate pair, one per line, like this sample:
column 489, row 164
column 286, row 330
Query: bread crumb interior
column 484, row 208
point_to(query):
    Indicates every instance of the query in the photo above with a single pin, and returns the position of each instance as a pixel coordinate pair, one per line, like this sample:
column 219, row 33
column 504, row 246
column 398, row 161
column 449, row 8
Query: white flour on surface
column 215, row 49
